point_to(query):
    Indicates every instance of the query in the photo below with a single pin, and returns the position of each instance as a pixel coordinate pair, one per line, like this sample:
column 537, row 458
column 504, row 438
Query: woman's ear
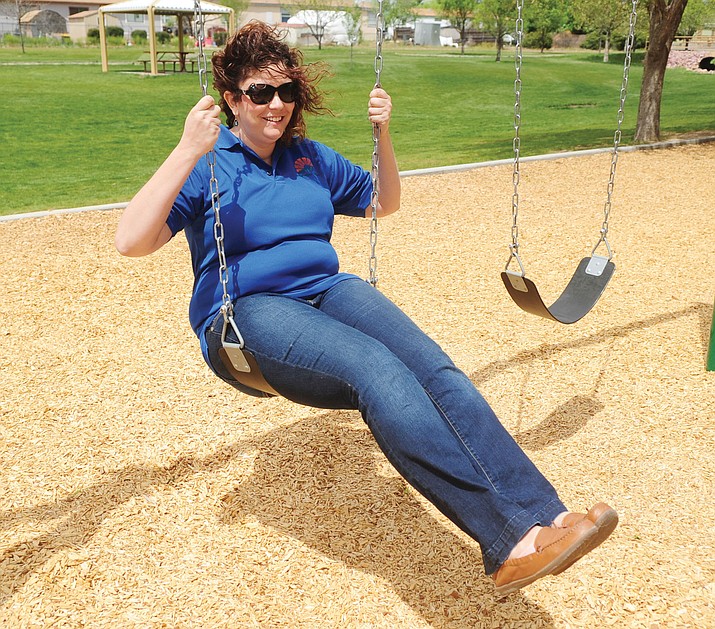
column 231, row 99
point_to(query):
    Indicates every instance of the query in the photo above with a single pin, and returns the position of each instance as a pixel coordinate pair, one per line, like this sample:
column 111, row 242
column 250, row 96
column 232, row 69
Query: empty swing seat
column 578, row 298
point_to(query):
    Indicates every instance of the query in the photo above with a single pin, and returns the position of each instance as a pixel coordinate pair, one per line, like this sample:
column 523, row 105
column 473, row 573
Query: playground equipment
column 593, row 273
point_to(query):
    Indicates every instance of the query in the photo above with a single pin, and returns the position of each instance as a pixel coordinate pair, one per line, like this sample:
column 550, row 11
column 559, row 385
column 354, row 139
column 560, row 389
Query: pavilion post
column 103, row 42
column 152, row 40
column 180, row 20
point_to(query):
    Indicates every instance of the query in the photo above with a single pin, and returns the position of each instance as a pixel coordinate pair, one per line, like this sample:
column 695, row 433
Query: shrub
column 163, row 38
column 9, row 39
column 115, row 31
column 139, row 37
column 220, row 38
column 537, row 41
column 617, row 43
column 92, row 35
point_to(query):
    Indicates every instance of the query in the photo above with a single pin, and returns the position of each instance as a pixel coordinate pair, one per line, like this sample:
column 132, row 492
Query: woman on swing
column 329, row 339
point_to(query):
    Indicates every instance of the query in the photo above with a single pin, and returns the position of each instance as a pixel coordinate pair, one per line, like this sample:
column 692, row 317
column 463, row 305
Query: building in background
column 75, row 18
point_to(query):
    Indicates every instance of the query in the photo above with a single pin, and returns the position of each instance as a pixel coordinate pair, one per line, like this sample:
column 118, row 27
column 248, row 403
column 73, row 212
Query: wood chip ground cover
column 137, row 490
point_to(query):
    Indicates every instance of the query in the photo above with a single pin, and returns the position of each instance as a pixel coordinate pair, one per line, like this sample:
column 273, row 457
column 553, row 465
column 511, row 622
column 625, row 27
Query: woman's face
column 261, row 124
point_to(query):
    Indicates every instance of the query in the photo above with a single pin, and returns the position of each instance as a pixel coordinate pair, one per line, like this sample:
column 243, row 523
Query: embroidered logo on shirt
column 304, row 167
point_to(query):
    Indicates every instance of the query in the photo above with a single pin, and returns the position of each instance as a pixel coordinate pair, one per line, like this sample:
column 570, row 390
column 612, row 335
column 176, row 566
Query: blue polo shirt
column 277, row 221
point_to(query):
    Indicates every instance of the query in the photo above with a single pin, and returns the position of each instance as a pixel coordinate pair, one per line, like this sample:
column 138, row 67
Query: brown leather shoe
column 556, row 549
column 603, row 517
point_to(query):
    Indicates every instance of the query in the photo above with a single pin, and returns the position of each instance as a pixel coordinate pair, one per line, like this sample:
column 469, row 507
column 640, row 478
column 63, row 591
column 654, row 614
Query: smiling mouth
column 275, row 119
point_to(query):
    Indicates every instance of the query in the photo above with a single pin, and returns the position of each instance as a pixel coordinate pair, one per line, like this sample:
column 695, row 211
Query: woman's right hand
column 201, row 128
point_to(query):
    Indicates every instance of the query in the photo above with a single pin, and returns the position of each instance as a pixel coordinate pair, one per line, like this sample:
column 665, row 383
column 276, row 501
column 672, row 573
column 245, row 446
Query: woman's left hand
column 379, row 109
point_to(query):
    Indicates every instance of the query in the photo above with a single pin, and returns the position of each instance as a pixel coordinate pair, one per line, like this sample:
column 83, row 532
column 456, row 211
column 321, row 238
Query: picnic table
column 182, row 58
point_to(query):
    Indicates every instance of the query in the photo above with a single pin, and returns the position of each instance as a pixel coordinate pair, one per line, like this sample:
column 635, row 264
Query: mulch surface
column 137, row 490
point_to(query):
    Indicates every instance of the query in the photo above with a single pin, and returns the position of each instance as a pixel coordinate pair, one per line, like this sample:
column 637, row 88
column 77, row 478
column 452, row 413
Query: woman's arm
column 142, row 228
column 389, row 185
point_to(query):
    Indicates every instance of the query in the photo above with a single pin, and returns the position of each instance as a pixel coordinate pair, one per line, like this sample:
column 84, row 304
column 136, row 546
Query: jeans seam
column 462, row 439
column 495, row 549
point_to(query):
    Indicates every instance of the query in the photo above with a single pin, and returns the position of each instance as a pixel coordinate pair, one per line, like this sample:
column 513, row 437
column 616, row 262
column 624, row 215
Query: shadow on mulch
column 367, row 521
column 573, row 415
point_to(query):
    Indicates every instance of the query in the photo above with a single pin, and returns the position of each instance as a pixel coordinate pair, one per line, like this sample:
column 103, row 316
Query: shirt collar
column 228, row 141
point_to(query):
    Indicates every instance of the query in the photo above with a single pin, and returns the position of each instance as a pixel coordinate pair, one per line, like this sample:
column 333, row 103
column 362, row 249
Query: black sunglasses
column 262, row 94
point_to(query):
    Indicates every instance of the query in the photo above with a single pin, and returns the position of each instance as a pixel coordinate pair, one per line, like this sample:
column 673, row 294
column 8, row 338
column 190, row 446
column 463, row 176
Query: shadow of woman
column 324, row 482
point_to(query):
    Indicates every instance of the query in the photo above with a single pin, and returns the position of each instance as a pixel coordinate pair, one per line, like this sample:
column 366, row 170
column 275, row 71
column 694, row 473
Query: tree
column 696, row 15
column 238, row 6
column 318, row 15
column 602, row 16
column 16, row 9
column 665, row 16
column 496, row 17
column 351, row 20
column 460, row 14
column 544, row 18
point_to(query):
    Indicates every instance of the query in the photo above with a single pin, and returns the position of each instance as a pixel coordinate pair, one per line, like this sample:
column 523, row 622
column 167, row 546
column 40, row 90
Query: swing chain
column 630, row 42
column 516, row 143
column 380, row 34
column 226, row 304
column 199, row 29
column 518, row 57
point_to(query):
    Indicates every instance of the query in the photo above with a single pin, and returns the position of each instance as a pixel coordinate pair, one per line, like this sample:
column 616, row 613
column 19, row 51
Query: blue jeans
column 351, row 347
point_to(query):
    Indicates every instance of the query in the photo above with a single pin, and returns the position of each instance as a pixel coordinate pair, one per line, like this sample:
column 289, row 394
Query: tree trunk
column 19, row 29
column 664, row 21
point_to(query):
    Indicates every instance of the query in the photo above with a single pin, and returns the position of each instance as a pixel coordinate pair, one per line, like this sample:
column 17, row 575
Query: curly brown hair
column 255, row 47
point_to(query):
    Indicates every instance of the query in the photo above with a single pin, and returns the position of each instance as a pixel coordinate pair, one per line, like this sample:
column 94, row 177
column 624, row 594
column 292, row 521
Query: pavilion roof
column 163, row 7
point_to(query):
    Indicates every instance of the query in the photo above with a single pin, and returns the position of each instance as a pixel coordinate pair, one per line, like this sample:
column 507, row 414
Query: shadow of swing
column 563, row 422
column 573, row 415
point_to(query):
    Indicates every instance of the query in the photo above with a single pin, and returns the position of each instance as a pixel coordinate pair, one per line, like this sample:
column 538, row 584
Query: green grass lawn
column 73, row 136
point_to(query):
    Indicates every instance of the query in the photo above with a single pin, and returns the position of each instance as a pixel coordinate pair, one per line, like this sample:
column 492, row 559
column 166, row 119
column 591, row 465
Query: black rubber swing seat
column 578, row 298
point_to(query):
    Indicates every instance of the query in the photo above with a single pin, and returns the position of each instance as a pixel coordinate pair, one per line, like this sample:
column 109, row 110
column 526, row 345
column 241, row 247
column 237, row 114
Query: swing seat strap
column 252, row 378
column 578, row 298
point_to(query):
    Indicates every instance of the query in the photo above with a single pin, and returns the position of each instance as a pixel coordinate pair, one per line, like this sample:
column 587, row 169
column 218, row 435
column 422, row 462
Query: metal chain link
column 226, row 303
column 514, row 246
column 199, row 35
column 516, row 144
column 630, row 42
column 379, row 37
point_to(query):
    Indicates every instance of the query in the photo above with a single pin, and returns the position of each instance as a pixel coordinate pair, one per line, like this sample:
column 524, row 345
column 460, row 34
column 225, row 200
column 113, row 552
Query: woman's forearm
column 389, row 184
column 142, row 229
